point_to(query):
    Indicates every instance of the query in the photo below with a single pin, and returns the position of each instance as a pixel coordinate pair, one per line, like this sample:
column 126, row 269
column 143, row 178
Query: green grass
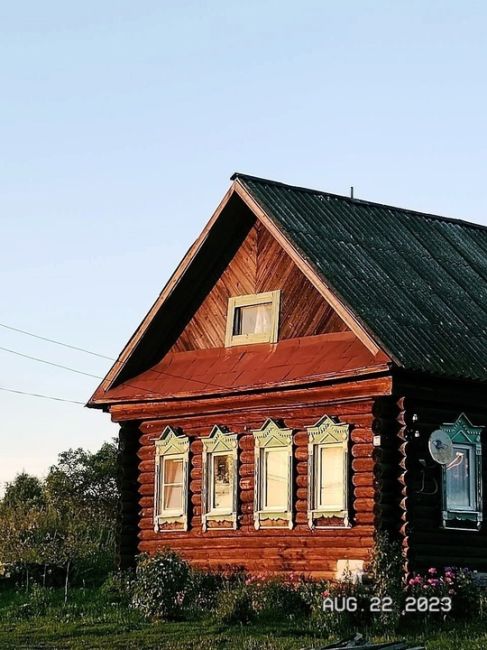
column 90, row 621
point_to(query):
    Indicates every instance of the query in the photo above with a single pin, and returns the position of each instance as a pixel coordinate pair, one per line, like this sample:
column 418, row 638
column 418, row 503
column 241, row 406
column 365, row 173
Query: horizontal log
column 362, row 451
column 246, row 496
column 246, row 483
column 196, row 446
column 301, row 505
column 195, row 486
column 364, row 492
column 301, row 453
column 147, row 465
column 247, row 457
column 362, row 464
column 246, row 469
column 246, row 443
column 301, row 439
column 302, row 481
column 301, row 468
column 196, row 473
column 302, row 493
column 361, row 435
column 247, row 508
column 263, row 402
column 196, row 499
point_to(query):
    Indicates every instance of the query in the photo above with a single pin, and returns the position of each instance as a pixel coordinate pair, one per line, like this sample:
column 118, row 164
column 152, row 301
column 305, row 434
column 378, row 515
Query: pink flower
column 432, row 571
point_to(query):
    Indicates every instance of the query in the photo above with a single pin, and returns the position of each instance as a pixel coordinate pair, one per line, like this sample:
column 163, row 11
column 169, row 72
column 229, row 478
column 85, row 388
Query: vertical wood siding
column 260, row 264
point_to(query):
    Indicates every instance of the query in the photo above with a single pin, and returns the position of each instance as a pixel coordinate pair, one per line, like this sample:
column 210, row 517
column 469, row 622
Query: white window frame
column 271, row 437
column 465, row 435
column 171, row 512
column 171, row 445
column 269, row 297
column 472, row 479
column 219, row 443
column 326, row 433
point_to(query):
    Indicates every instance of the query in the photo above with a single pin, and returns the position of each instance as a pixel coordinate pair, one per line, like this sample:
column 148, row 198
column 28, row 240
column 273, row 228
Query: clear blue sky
column 121, row 122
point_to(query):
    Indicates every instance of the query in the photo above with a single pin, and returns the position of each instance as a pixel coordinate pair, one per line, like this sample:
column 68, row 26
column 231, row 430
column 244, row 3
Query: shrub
column 203, row 590
column 235, row 605
column 457, row 584
column 118, row 587
column 162, row 585
column 277, row 598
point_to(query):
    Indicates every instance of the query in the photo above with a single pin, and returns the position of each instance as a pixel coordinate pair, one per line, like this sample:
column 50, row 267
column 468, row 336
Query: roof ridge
column 348, row 199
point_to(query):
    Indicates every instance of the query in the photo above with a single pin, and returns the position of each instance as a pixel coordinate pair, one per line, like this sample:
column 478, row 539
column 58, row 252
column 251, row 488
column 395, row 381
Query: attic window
column 253, row 318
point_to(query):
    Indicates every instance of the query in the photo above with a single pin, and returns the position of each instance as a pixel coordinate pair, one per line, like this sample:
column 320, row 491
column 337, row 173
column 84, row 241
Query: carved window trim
column 464, row 436
column 172, row 444
column 219, row 442
column 272, row 436
column 272, row 297
column 328, row 432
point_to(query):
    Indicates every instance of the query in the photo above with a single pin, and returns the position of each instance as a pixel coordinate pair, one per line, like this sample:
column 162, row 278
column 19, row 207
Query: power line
column 56, row 399
column 50, row 363
column 65, row 345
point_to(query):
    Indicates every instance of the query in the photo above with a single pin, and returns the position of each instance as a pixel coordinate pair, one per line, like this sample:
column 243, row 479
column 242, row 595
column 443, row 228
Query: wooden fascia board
column 163, row 296
column 315, row 278
column 334, row 391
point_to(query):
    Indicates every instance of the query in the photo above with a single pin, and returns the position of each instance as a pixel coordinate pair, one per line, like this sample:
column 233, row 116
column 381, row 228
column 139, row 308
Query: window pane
column 173, row 497
column 253, row 319
column 458, row 481
column 222, row 481
column 332, row 479
column 173, row 470
column 276, row 474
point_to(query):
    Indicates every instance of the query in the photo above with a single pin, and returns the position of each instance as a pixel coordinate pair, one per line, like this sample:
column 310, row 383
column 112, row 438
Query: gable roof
column 409, row 284
column 417, row 282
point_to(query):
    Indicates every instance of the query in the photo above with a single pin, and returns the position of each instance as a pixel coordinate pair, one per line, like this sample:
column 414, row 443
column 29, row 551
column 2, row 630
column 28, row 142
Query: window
column 462, row 476
column 171, row 478
column 220, row 480
column 253, row 319
column 273, row 474
column 328, row 474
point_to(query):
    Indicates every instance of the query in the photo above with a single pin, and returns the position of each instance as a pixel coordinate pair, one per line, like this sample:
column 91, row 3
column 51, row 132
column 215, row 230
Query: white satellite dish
column 441, row 447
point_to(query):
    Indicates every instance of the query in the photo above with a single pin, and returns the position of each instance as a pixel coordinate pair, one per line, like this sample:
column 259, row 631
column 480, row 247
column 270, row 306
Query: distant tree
column 66, row 522
column 85, row 479
column 25, row 491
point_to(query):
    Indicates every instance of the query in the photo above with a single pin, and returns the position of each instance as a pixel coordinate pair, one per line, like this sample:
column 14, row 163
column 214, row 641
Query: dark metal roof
column 417, row 282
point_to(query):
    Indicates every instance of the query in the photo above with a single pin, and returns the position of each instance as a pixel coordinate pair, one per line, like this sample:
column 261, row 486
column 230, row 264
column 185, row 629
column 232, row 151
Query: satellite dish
column 441, row 447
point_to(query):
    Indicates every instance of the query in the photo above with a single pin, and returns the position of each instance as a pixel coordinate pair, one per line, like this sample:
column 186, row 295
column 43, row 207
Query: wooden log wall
column 422, row 409
column 127, row 479
column 300, row 550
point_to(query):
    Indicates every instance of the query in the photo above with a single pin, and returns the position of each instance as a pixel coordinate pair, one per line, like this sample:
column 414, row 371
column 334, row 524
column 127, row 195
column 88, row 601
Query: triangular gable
column 232, row 220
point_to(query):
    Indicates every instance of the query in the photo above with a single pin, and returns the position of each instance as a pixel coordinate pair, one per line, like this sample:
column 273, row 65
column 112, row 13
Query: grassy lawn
column 89, row 621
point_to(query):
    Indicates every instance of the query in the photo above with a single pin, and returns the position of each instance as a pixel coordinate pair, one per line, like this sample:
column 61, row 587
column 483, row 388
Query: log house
column 279, row 403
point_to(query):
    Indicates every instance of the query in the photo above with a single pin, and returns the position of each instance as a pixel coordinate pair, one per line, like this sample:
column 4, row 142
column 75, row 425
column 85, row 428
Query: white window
column 172, row 486
column 462, row 476
column 220, row 480
column 273, row 474
column 171, row 481
column 328, row 473
column 253, row 319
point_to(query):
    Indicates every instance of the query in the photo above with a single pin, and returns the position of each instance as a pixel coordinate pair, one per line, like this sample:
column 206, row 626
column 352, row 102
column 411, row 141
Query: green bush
column 235, row 605
column 162, row 586
column 118, row 587
column 278, row 598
